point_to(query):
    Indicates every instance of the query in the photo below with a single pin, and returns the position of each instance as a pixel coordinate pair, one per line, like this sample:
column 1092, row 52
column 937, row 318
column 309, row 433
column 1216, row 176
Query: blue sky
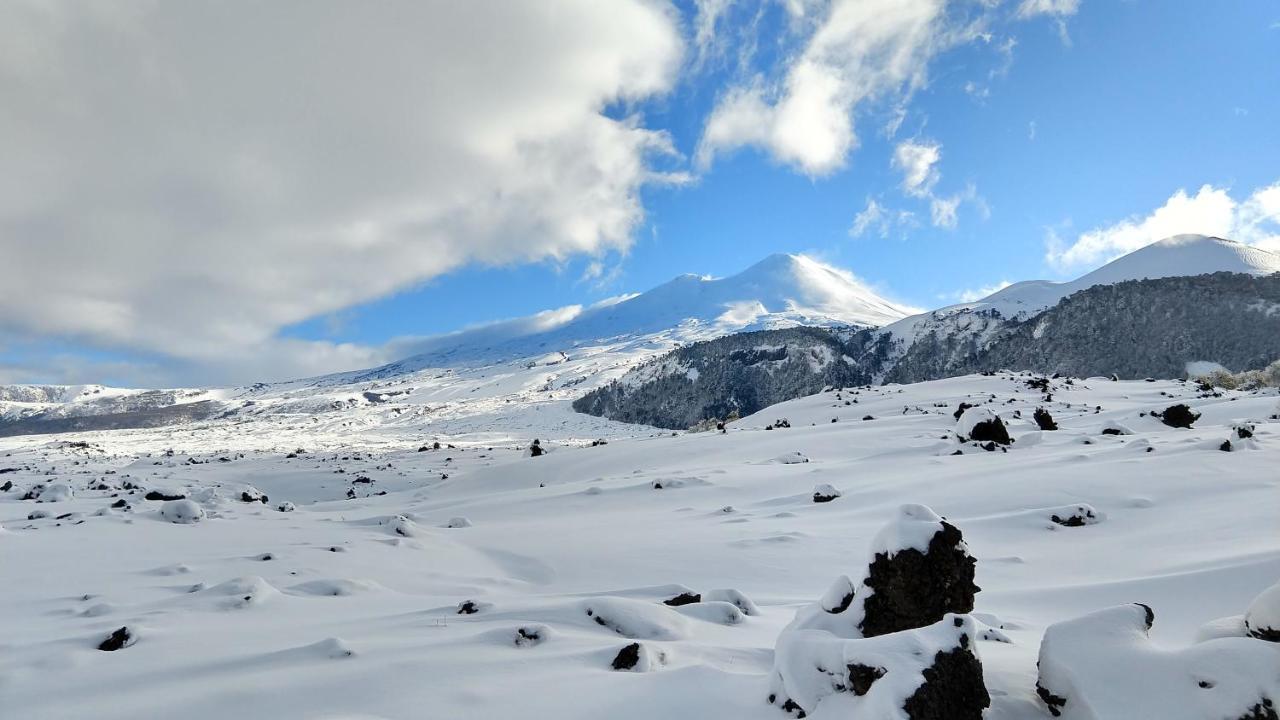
column 1144, row 98
column 1060, row 129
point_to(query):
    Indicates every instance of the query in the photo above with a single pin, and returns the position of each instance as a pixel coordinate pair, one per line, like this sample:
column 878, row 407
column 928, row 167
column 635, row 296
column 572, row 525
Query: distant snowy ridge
column 1180, row 255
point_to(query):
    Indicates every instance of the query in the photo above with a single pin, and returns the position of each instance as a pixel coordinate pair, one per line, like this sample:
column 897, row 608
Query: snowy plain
column 348, row 607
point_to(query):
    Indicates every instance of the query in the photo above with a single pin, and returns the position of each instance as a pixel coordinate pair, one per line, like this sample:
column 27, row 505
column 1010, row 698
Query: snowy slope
column 1175, row 256
column 348, row 608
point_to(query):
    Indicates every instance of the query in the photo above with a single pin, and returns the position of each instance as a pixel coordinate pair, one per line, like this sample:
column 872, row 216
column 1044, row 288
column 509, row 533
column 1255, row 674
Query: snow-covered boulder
column 638, row 658
column 458, row 522
column 636, row 619
column 1103, row 665
column 979, row 424
column 789, row 458
column 919, row 569
column 921, row 674
column 251, row 494
column 1262, row 619
column 52, row 492
column 907, row 600
column 182, row 512
column 825, row 493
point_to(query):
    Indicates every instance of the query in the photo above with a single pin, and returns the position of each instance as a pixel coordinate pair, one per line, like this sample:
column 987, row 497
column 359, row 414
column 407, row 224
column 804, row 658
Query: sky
column 223, row 192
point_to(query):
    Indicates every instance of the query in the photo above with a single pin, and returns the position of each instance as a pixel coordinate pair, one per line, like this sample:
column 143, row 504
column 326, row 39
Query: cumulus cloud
column 188, row 178
column 1254, row 220
column 858, row 51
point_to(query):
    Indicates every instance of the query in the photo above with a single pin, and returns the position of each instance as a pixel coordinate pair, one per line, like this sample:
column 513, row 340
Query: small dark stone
column 1112, row 431
column 685, row 598
column 121, row 503
column 1244, row 432
column 960, row 410
column 468, row 607
column 862, row 677
column 117, row 640
column 627, row 658
column 1225, row 446
column 8, row 485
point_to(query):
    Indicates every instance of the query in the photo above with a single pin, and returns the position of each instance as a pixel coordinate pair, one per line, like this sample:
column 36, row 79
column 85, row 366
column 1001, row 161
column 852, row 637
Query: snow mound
column 730, row 595
column 1103, row 665
column 713, row 611
column 240, row 592
column 1262, row 619
column 333, row 588
column 789, row 458
column 636, row 619
column 182, row 512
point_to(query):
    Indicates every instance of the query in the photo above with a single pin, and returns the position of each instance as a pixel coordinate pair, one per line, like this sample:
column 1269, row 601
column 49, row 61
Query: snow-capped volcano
column 779, row 291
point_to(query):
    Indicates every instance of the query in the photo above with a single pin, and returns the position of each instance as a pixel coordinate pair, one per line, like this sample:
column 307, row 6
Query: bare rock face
column 912, row 589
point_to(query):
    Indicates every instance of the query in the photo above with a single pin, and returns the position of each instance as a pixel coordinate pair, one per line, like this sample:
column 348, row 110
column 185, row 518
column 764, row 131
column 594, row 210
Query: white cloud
column 187, row 179
column 1057, row 10
column 883, row 221
column 859, row 51
column 1255, row 220
column 918, row 163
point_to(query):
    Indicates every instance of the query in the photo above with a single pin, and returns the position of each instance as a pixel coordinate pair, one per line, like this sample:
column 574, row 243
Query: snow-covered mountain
column 493, row 374
column 1181, row 255
column 781, row 290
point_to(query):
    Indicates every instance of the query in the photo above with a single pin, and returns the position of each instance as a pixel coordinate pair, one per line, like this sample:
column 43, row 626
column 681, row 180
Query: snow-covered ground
column 348, row 607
